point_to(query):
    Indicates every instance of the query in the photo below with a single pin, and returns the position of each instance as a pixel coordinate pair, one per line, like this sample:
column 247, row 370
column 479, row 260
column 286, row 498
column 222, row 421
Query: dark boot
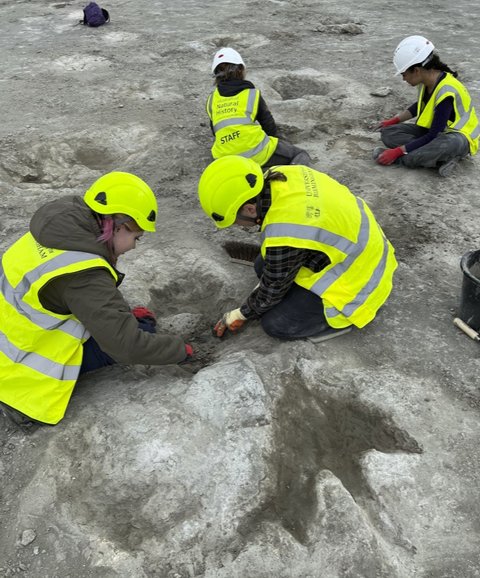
column 17, row 417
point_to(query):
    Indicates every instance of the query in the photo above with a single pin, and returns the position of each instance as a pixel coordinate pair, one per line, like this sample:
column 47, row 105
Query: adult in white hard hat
column 240, row 119
column 446, row 129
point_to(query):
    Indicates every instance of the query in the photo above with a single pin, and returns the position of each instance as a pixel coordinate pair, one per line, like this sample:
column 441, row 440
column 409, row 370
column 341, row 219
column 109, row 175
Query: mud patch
column 96, row 157
column 294, row 86
column 313, row 434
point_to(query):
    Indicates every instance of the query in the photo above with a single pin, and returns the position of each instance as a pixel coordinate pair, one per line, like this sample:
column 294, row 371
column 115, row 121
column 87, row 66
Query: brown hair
column 272, row 175
column 229, row 71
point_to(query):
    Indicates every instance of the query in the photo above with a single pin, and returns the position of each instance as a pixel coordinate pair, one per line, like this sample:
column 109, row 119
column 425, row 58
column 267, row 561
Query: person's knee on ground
column 292, row 319
column 20, row 419
column 288, row 154
column 445, row 148
column 400, row 134
column 275, row 326
column 281, row 328
column 302, row 158
column 393, row 136
column 387, row 138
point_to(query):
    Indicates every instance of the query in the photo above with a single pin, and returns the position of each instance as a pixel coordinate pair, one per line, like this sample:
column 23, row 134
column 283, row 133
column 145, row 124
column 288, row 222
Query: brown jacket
column 92, row 296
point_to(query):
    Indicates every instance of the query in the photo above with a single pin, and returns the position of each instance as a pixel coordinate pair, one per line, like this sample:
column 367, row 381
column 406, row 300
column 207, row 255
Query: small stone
column 28, row 536
column 381, row 91
column 36, row 550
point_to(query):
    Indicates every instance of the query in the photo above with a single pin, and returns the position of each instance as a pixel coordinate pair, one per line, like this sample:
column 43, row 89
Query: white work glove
column 232, row 320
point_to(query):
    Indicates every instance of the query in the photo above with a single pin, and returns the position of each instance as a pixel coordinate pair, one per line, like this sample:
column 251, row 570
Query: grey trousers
column 443, row 148
column 288, row 154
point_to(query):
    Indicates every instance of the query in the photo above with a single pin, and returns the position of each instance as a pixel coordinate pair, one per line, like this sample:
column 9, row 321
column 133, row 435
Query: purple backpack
column 93, row 15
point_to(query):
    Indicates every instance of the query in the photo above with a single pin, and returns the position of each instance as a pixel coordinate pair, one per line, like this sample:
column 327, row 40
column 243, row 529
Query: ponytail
column 436, row 64
column 272, row 175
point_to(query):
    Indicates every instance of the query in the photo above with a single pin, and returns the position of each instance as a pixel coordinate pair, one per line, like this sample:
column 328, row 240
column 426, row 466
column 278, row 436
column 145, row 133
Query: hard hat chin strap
column 428, row 59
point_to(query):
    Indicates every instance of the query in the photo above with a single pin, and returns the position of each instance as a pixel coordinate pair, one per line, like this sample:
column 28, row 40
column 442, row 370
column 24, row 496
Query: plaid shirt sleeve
column 281, row 266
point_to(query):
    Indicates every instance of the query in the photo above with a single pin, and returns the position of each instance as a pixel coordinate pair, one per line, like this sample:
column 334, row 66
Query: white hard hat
column 226, row 55
column 412, row 50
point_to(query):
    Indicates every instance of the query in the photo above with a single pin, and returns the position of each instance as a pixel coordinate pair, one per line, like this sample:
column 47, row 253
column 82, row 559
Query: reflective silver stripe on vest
column 306, row 232
column 350, row 308
column 464, row 114
column 476, row 133
column 318, row 234
column 232, row 122
column 353, row 250
column 37, row 362
column 43, row 320
column 447, row 88
column 246, row 119
column 256, row 150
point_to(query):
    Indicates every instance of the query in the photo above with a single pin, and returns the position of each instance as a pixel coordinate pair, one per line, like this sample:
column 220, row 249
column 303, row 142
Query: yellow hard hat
column 225, row 185
column 124, row 193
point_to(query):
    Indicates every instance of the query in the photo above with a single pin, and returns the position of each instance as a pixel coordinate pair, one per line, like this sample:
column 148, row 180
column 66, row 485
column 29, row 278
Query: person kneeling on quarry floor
column 61, row 313
column 325, row 263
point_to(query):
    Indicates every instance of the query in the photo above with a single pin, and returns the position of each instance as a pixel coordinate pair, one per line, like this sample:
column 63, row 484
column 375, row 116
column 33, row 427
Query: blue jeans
column 95, row 358
column 298, row 315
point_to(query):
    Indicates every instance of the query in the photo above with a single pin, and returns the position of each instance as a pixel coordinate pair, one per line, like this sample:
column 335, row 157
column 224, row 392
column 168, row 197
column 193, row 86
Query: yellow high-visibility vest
column 313, row 211
column 40, row 351
column 236, row 130
column 465, row 120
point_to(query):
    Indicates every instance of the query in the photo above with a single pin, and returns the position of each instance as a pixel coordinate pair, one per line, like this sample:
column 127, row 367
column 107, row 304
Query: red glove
column 389, row 122
column 188, row 350
column 389, row 156
column 144, row 313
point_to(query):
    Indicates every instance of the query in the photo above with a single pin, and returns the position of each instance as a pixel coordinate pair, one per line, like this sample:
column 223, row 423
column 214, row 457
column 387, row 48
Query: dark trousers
column 95, row 358
column 298, row 315
column 443, row 148
column 288, row 154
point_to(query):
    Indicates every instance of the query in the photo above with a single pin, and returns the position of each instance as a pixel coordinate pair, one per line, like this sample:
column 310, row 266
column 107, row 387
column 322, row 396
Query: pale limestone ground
column 354, row 458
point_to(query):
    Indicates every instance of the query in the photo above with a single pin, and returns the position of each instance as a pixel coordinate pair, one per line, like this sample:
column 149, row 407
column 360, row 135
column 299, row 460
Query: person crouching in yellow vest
column 446, row 130
column 61, row 313
column 240, row 120
column 325, row 263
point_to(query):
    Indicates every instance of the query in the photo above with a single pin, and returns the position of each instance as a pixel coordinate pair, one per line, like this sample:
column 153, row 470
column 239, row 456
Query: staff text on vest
column 230, row 137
